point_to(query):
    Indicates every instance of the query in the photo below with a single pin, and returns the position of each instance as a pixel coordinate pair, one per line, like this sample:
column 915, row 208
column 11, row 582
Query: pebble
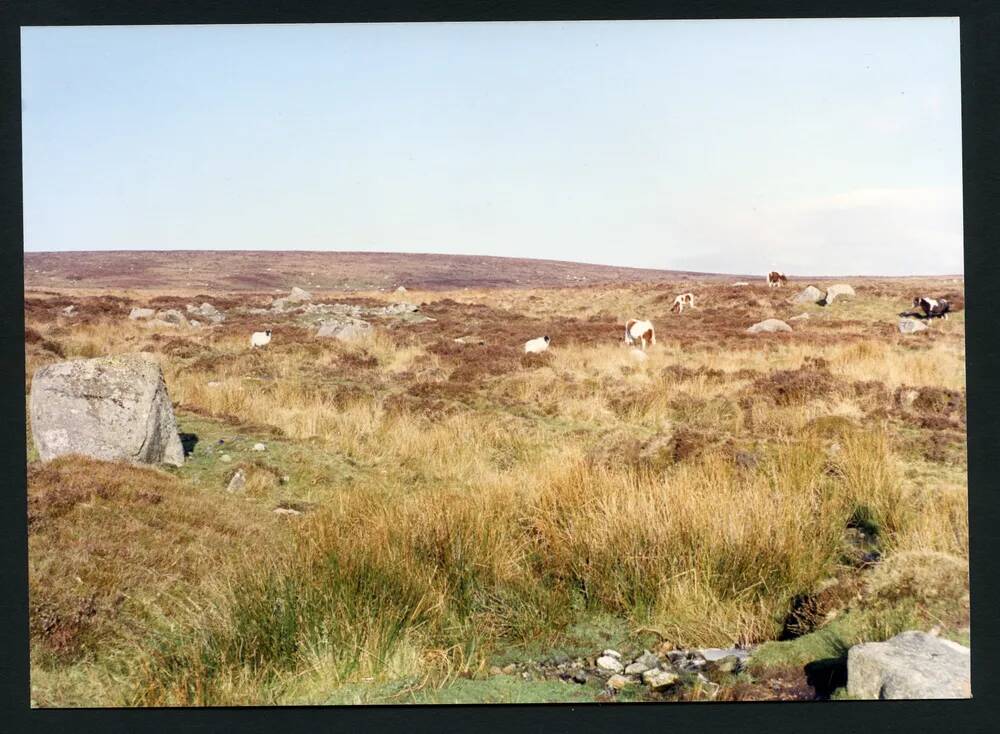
column 226, row 458
column 509, row 669
column 259, row 447
column 580, row 677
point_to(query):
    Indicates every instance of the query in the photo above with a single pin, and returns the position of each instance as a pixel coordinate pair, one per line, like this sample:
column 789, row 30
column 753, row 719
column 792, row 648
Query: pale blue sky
column 817, row 147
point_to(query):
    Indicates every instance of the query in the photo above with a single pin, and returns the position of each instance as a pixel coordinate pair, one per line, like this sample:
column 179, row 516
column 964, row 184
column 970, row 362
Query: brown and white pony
column 684, row 299
column 776, row 279
column 639, row 331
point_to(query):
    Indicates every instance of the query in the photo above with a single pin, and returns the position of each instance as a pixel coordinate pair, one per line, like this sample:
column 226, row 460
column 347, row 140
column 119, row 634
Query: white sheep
column 260, row 339
column 535, row 346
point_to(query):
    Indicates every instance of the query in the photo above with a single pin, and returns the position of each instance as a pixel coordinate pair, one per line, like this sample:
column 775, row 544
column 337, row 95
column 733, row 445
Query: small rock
column 401, row 289
column 226, row 458
column 509, row 669
column 638, row 668
column 768, row 326
column 259, row 447
column 911, row 326
column 612, row 653
column 648, row 659
column 285, row 479
column 659, row 680
column 800, row 317
column 285, row 511
column 609, row 663
column 580, row 677
column 495, row 670
column 618, row 682
column 239, row 481
column 470, row 340
column 141, row 313
column 69, row 310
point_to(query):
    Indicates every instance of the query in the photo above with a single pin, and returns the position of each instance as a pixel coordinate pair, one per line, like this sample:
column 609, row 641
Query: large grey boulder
column 112, row 408
column 911, row 326
column 809, row 294
column 141, row 313
column 910, row 665
column 837, row 290
column 769, row 325
column 344, row 329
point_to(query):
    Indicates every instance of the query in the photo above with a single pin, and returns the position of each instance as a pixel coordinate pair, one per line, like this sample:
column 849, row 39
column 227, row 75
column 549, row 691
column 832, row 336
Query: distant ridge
column 265, row 270
column 269, row 270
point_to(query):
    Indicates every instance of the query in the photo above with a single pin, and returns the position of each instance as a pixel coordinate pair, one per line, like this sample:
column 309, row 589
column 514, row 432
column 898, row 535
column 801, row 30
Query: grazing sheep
column 536, row 346
column 639, row 331
column 684, row 299
column 260, row 339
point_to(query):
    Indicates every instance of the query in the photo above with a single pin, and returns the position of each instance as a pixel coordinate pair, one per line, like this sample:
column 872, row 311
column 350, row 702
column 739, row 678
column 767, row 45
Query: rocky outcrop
column 141, row 313
column 111, row 408
column 910, row 665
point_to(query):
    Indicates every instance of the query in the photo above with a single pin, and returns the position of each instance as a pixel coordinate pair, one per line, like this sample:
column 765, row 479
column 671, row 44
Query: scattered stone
column 344, row 330
column 239, row 481
column 259, row 447
column 910, row 665
column 768, row 325
column 612, row 653
column 746, row 460
column 172, row 316
column 609, row 663
column 837, row 290
column 206, row 311
column 800, row 317
column 470, row 340
column 728, row 664
column 712, row 689
column 809, row 294
column 285, row 511
column 195, row 324
column 580, row 677
column 648, row 659
column 740, row 284
column 396, row 309
column 911, row 326
column 111, row 408
column 141, row 313
column 638, row 668
column 401, row 289
column 225, row 458
column 70, row 310
column 715, row 654
column 618, row 682
column 495, row 670
column 659, row 680
column 509, row 669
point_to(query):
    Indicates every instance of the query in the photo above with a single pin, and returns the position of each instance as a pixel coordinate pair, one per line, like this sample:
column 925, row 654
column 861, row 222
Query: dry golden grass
column 491, row 499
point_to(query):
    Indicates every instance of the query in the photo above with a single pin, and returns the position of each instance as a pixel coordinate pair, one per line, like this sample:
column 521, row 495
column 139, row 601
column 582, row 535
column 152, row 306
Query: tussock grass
column 489, row 516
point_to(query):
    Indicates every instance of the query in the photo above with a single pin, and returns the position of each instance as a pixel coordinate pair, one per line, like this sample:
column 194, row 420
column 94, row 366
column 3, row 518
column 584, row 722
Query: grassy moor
column 427, row 514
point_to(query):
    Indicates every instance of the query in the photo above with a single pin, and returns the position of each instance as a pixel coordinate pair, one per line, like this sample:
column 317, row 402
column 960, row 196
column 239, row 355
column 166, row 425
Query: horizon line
column 471, row 256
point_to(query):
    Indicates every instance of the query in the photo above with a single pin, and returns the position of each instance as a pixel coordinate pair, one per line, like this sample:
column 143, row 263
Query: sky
column 808, row 146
